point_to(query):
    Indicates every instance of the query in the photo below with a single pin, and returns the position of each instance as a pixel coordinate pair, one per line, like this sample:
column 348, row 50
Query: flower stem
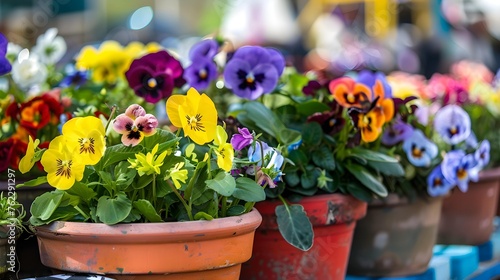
column 153, row 199
column 224, row 206
column 188, row 209
column 81, row 212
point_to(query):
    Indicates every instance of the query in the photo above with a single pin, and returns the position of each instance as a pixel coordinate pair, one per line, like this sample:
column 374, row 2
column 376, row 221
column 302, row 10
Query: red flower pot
column 333, row 218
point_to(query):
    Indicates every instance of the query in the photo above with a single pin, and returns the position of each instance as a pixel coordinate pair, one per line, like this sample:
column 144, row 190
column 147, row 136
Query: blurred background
column 416, row 36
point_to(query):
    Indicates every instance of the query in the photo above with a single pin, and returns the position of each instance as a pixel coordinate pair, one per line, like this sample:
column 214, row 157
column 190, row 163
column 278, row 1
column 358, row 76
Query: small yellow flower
column 148, row 164
column 28, row 161
column 85, row 136
column 177, row 174
column 195, row 114
column 225, row 151
column 62, row 166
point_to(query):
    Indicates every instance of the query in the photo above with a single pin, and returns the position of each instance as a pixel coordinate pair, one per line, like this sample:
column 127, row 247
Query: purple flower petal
column 419, row 150
column 253, row 55
column 397, row 132
column 456, row 167
column 241, row 140
column 201, row 73
column 437, row 185
column 277, row 59
column 5, row 66
column 147, row 124
column 154, row 76
column 453, row 124
column 206, row 49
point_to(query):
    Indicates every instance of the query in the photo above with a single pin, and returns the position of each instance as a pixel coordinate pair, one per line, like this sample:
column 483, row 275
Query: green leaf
column 200, row 175
column 323, row 157
column 203, row 216
column 164, row 138
column 312, row 134
column 291, row 178
column 294, row 226
column 298, row 157
column 309, row 179
column 81, row 190
column 44, row 205
column 310, row 107
column 264, row 118
column 248, row 190
column 33, row 183
column 367, row 179
column 359, row 192
column 124, row 176
column 113, row 210
column 236, row 210
column 387, row 168
column 133, row 216
column 117, row 153
column 223, row 183
column 68, row 213
column 147, row 210
column 289, row 136
column 370, row 155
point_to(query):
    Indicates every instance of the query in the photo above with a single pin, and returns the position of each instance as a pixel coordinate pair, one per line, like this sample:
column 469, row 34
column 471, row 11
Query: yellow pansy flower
column 177, row 174
column 85, row 136
column 225, row 151
column 148, row 164
column 28, row 161
column 195, row 114
column 62, row 166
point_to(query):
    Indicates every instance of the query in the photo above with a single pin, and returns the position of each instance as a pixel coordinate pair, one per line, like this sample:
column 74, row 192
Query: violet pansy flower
column 155, row 75
column 453, row 124
column 241, row 140
column 456, row 167
column 207, row 48
column 135, row 124
column 201, row 73
column 482, row 154
column 5, row 66
column 437, row 185
column 397, row 132
column 419, row 150
column 253, row 71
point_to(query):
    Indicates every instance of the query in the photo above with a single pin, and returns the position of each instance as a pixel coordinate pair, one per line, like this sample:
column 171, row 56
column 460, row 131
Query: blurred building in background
column 416, row 36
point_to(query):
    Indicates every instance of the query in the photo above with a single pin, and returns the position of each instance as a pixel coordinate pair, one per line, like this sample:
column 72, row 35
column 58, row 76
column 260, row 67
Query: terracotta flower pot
column 395, row 238
column 178, row 250
column 333, row 217
column 467, row 218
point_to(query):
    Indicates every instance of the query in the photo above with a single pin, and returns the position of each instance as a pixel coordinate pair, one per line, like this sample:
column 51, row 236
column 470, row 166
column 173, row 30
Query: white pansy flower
column 50, row 47
column 13, row 51
column 28, row 71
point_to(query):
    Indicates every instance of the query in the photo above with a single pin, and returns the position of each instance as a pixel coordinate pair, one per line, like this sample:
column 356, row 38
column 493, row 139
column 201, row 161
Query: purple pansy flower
column 419, row 150
column 482, row 154
column 241, row 140
column 207, row 48
column 481, row 159
column 370, row 79
column 76, row 79
column 397, row 132
column 437, row 185
column 453, row 124
column 456, row 167
column 5, row 66
column 253, row 71
column 201, row 73
column 155, row 75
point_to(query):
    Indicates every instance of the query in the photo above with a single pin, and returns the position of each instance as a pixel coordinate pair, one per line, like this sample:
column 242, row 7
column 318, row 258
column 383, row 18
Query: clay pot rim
column 149, row 232
column 489, row 174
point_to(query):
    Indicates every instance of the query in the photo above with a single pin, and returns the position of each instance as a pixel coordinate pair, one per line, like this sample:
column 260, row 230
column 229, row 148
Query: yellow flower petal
column 225, row 157
column 62, row 168
column 198, row 117
column 220, row 136
column 27, row 161
column 173, row 104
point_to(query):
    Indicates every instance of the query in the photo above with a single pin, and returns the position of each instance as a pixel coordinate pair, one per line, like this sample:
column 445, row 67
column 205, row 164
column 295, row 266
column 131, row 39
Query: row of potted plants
column 241, row 136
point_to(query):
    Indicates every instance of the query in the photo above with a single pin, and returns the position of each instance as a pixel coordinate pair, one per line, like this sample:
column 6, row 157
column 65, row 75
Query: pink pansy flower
column 135, row 124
